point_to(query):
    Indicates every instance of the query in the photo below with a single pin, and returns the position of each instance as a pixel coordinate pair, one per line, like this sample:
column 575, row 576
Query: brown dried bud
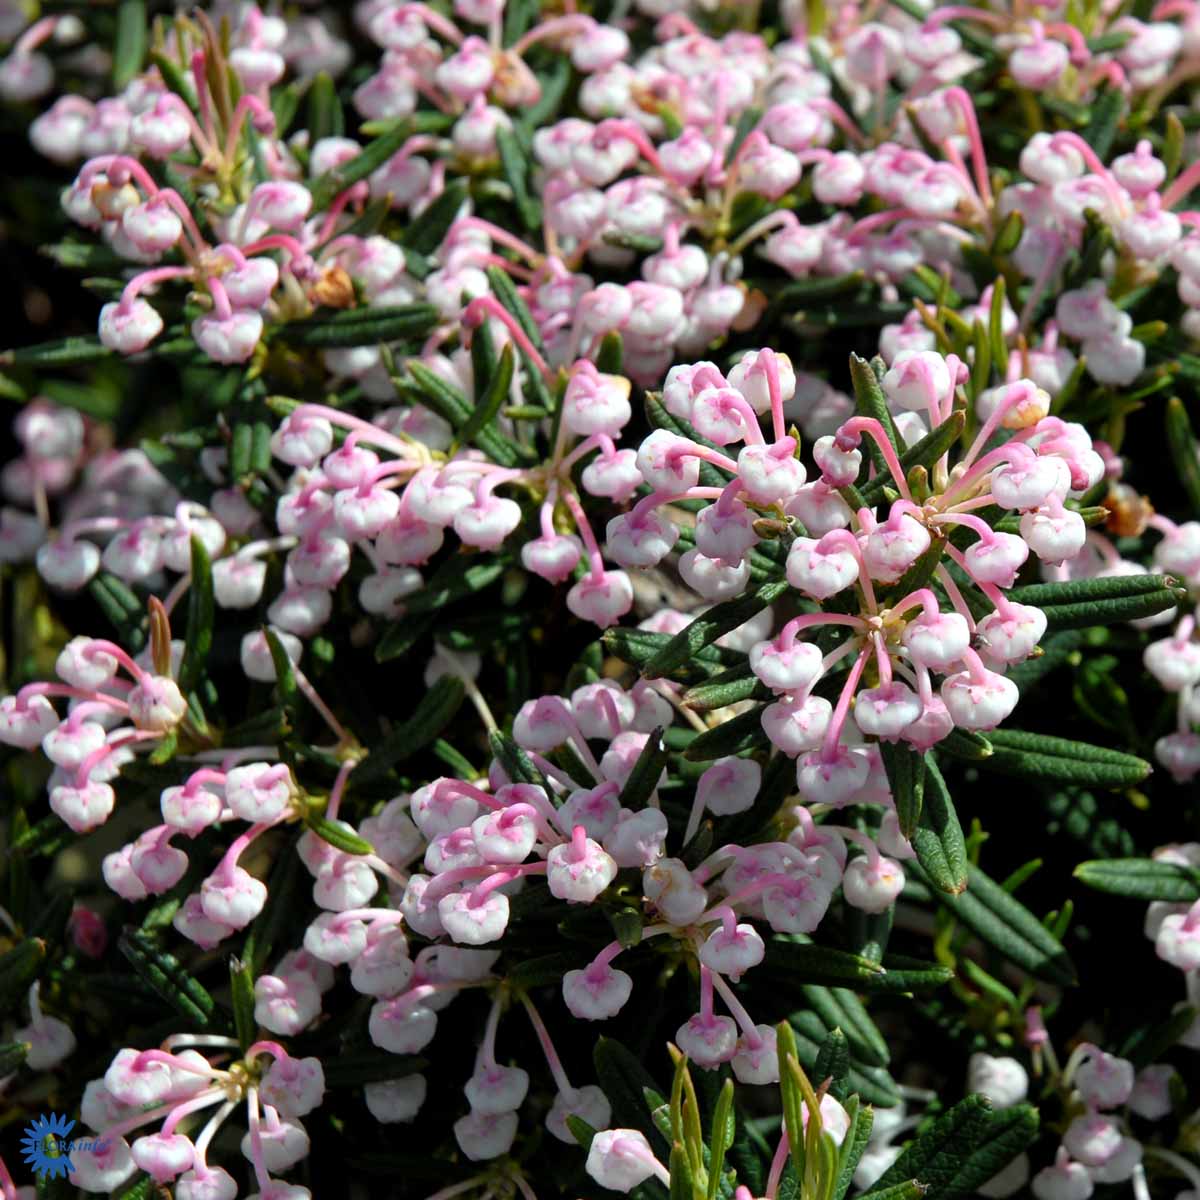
column 1128, row 511
column 334, row 289
column 753, row 307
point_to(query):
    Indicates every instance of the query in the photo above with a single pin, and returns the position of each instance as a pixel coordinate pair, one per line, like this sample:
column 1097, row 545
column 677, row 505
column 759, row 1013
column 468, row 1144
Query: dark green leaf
column 833, row 1062
column 198, row 639
column 425, row 233
column 488, row 405
column 1142, row 879
column 353, row 1069
column 436, row 710
column 130, row 47
column 624, row 1081
column 1184, row 450
column 361, row 326
column 241, row 992
column 923, row 453
column 646, row 773
column 170, row 979
column 338, row 836
column 706, row 628
column 19, row 967
column 638, row 647
column 906, row 775
column 514, row 162
column 938, row 838
column 735, row 736
column 374, row 155
column 1106, row 111
column 324, row 112
column 1039, row 756
column 854, row 1144
column 1005, row 924
column 728, row 687
column 64, row 351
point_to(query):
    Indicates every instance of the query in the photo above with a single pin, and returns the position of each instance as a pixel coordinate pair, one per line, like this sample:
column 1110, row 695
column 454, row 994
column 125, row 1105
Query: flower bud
column 1003, row 1081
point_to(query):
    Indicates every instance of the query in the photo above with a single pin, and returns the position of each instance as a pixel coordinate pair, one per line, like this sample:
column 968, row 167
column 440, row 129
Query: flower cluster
column 167, row 1085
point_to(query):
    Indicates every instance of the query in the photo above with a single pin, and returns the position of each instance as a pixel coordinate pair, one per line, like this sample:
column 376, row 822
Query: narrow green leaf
column 60, row 353
column 581, row 1130
column 746, row 122
column 338, row 836
column 458, row 578
column 680, row 1173
column 514, row 163
column 488, row 405
column 201, row 609
column 610, row 354
column 724, row 1129
column 906, row 775
column 241, row 990
column 345, row 1070
column 1111, row 612
column 1142, row 879
column 377, row 152
column 909, row 1189
column 506, row 292
column 1107, row 109
column 1039, row 756
column 1184, row 450
column 872, row 1084
column 1005, row 1135
column 999, row 346
column 324, row 111
column 442, row 397
column 437, row 709
column 19, row 967
column 871, row 402
column 800, row 292
column 518, row 766
column 361, row 326
column 646, row 774
column 1084, row 591
column 716, row 622
column 129, row 49
column 840, row 1008
column 805, row 962
column 966, row 744
column 168, row 977
column 923, row 453
column 938, row 837
column 854, row 1144
column 934, row 1157
column 728, row 687
column 1008, row 236
column 286, row 688
column 425, row 233
column 833, row 1063
column 735, row 736
column 638, row 647
column 1005, row 924
column 624, row 1081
